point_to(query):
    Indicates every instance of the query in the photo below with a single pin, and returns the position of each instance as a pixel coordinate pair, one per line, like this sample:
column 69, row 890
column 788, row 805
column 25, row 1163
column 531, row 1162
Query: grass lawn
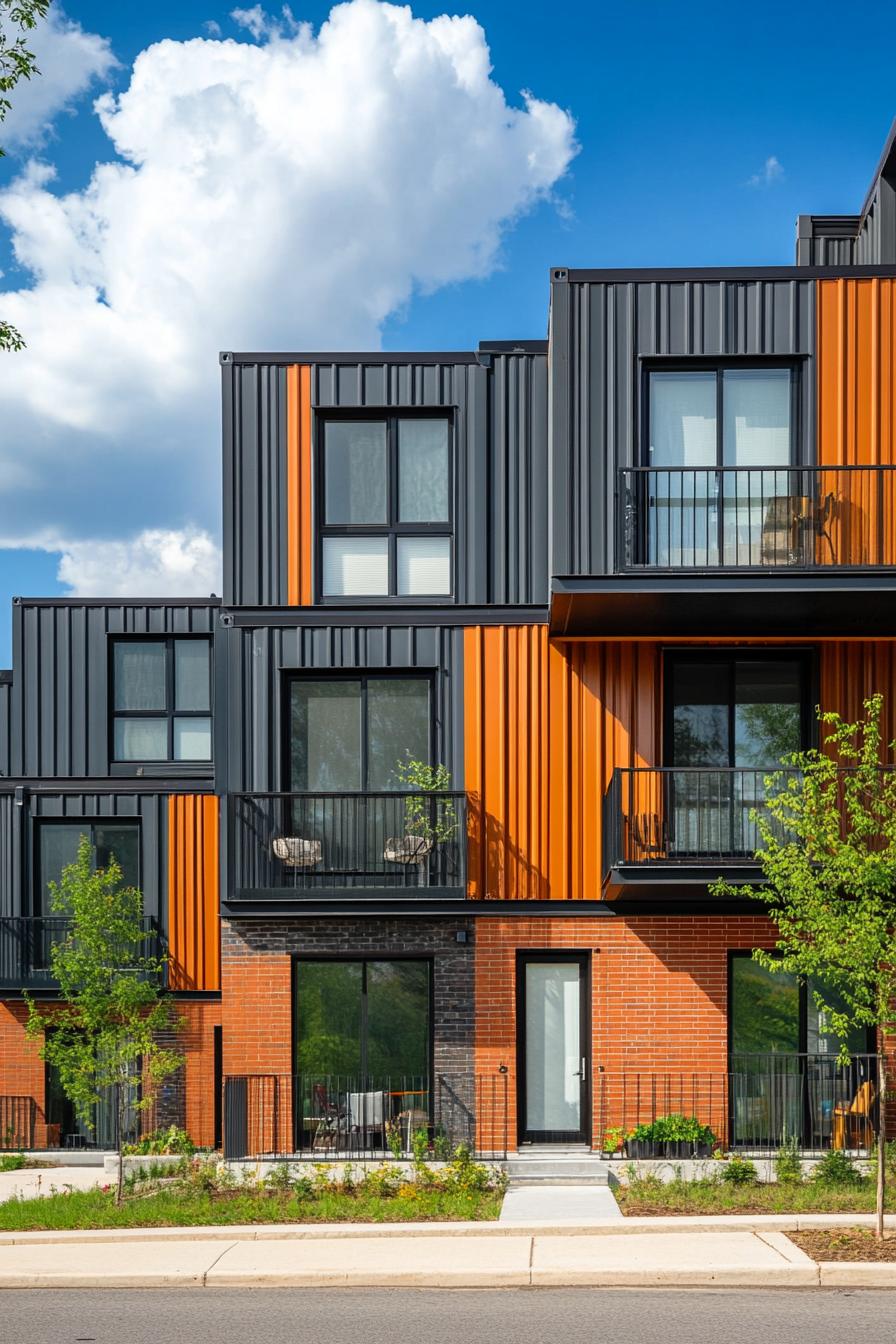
column 646, row 1197
column 845, row 1243
column 187, row 1208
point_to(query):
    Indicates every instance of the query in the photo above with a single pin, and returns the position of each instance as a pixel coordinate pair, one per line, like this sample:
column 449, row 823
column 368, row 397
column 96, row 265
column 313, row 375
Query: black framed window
column 773, row 1012
column 385, row 507
column 57, row 847
column 365, row 1018
column 722, row 416
column 349, row 734
column 161, row 699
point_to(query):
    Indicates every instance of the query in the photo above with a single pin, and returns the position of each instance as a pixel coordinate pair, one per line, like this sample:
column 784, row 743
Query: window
column 363, row 1019
column 161, row 700
column 350, row 733
column 386, row 507
column 57, row 847
column 720, row 445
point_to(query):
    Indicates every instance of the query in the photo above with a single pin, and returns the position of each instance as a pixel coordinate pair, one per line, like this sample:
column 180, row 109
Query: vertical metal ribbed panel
column 499, row 410
column 5, row 724
column 194, row 941
column 601, row 332
column 149, row 809
column 60, row 696
column 255, row 494
column 258, row 658
column 10, row 855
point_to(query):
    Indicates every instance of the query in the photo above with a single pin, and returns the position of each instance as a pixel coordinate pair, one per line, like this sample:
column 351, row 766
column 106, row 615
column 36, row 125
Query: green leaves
column 433, row 819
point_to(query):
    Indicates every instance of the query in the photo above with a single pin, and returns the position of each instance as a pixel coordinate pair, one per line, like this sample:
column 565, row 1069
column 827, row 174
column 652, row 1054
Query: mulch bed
column 845, row 1243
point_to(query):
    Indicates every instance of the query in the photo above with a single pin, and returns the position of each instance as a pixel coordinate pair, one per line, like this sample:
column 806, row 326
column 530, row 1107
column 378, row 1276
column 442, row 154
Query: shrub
column 836, row 1169
column 12, row 1161
column 382, row 1183
column 279, row 1179
column 162, row 1143
column 465, row 1174
column 788, row 1163
column 675, row 1128
column 739, row 1171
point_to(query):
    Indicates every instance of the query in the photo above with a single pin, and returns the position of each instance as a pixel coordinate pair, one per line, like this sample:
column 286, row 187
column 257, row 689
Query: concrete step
column 541, row 1168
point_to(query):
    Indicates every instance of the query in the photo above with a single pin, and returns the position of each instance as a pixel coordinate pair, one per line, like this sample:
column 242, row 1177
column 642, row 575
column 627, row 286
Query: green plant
column 107, row 1035
column 279, row 1178
column 382, row 1183
column 788, row 1162
column 464, row 1174
column 674, row 1128
column 739, row 1171
column 162, row 1143
column 432, row 819
column 614, row 1137
column 441, row 1146
column 836, row 1169
column 393, row 1139
column 420, row 1148
column 12, row 1161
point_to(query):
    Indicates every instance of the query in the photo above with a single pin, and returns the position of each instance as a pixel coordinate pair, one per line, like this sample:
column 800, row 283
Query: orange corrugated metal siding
column 298, row 485
column 193, row 901
column 856, row 367
column 545, row 724
column 850, row 673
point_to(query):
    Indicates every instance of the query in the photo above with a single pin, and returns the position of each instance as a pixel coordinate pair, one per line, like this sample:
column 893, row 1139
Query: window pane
column 122, row 842
column 141, row 739
column 328, row 1017
column 397, row 727
column 765, row 1008
column 325, row 735
column 398, row 1019
column 139, row 675
column 192, row 739
column 191, row 674
column 356, row 566
column 423, row 471
column 355, row 472
column 58, row 848
column 682, row 419
column 756, row 417
column 767, row 711
column 700, row 714
column 820, row 1040
column 424, row 566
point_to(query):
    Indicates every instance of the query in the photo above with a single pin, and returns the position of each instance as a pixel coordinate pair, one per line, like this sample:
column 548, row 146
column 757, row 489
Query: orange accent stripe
column 298, row 486
column 193, row 893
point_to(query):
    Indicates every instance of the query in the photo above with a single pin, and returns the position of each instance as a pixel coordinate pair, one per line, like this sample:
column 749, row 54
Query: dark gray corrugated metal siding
column 5, row 723
column 600, row 333
column 10, row 824
column 255, row 698
column 254, row 425
column 150, row 809
column 60, row 693
column 500, row 417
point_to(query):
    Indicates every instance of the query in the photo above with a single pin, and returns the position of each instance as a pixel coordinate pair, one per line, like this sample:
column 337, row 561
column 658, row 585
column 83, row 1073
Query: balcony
column 25, row 945
column 347, row 847
column 742, row 551
column 681, row 826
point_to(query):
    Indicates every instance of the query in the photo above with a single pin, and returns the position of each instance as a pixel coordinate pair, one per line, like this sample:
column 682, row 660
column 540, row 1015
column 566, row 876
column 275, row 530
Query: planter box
column 670, row 1151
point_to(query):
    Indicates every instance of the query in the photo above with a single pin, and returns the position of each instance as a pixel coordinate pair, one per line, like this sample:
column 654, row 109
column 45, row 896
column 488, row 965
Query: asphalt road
column 451, row 1316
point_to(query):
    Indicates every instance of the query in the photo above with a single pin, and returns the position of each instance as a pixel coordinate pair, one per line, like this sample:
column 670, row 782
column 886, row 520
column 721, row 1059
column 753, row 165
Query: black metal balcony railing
column 377, row 1117
column 26, row 942
column 712, row 518
column 334, row 844
column 760, row 1102
column 683, row 816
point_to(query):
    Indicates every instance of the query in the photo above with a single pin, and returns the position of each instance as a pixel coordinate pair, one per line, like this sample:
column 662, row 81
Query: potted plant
column 674, row 1136
column 428, row 821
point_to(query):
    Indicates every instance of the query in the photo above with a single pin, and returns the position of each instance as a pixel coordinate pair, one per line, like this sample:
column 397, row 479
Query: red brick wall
column 21, row 1067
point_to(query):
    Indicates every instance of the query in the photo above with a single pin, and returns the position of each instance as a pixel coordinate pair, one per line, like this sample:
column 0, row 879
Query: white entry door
column 554, row 1053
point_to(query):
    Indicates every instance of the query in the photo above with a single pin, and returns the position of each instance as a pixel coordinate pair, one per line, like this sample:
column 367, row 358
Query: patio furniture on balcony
column 366, row 1117
column 853, row 1125
column 294, row 852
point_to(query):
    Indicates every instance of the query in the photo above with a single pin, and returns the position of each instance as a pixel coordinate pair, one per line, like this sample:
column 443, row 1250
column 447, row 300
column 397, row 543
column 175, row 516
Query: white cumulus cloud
column 69, row 61
column 288, row 192
column 155, row 563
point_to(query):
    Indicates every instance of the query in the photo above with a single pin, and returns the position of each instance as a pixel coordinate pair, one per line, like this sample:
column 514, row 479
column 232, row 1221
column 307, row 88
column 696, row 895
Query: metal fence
column 17, row 1122
column 760, row 1103
column 26, row 949
column 780, row 517
column 336, row 1117
column 325, row 843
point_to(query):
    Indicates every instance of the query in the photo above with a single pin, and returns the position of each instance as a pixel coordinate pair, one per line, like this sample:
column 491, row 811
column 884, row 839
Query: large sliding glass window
column 386, row 507
column 351, row 733
column 364, row 1020
column 730, row 720
column 720, row 443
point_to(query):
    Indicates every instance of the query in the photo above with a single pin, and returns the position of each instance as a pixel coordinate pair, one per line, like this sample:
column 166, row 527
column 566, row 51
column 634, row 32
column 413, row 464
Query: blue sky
column 678, row 110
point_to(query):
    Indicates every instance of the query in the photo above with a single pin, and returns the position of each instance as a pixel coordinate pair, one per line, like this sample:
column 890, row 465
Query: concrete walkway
column 27, row 1184
column 559, row 1204
column 469, row 1256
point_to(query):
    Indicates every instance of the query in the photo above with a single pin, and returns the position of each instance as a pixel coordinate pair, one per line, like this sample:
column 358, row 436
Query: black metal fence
column 709, row 518
column 322, row 844
column 684, row 815
column 762, row 1102
column 26, row 943
column 17, row 1122
column 345, row 1117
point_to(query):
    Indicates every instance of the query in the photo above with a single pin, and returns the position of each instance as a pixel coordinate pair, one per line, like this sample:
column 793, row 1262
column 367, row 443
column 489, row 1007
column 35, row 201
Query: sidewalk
column 30, row 1183
column 664, row 1253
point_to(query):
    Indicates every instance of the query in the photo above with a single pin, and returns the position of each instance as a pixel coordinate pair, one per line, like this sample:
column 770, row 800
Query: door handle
column 582, row 1071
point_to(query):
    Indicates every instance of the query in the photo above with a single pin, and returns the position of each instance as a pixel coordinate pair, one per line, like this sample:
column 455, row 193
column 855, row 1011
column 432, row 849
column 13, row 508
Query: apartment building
column 602, row 580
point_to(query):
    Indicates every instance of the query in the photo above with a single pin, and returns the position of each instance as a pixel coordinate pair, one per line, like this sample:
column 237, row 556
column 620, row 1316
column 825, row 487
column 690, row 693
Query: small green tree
column 17, row 19
column 827, row 852
column 105, row 1036
column 434, row 819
